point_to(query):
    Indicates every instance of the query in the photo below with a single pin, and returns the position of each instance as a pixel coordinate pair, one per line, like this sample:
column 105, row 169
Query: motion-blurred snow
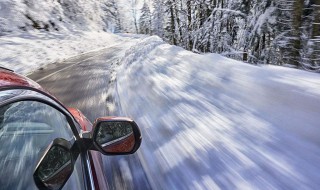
column 26, row 52
column 209, row 122
column 48, row 15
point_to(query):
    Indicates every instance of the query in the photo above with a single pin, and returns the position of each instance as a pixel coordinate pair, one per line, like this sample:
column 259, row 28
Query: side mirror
column 116, row 136
column 55, row 167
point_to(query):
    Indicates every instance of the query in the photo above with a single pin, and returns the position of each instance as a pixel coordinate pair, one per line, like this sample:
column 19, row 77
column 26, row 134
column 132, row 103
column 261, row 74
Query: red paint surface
column 99, row 177
column 8, row 78
column 85, row 124
column 125, row 145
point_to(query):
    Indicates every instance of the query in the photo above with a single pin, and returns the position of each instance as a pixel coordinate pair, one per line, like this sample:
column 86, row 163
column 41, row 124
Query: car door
column 29, row 122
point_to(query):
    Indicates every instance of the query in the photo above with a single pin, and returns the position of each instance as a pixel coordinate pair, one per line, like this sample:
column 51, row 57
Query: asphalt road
column 82, row 82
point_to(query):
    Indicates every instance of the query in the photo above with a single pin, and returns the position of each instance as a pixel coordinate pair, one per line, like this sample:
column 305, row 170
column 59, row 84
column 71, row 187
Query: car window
column 26, row 130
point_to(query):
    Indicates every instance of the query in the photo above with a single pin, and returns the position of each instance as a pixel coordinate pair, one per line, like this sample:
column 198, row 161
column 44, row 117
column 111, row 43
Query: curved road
column 82, row 82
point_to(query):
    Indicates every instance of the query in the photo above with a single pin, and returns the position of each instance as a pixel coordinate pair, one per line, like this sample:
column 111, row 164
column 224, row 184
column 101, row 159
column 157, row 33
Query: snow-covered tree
column 52, row 15
column 134, row 14
column 158, row 18
column 281, row 32
column 170, row 28
column 112, row 16
column 145, row 19
column 312, row 59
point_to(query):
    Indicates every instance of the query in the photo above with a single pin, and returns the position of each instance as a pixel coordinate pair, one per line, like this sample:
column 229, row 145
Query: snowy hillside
column 210, row 122
column 47, row 15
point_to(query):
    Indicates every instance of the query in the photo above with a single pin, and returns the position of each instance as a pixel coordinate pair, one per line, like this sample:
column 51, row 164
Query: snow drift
column 209, row 122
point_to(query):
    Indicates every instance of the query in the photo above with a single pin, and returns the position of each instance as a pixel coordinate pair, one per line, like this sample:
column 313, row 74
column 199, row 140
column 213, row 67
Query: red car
column 48, row 146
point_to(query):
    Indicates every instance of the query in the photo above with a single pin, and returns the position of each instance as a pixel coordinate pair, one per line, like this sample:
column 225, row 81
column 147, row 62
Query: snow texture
column 48, row 15
column 209, row 122
column 26, row 52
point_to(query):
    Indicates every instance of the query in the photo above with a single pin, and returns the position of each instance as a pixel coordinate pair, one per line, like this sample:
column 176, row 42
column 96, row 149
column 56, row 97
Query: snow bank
column 28, row 51
column 209, row 122
column 137, row 52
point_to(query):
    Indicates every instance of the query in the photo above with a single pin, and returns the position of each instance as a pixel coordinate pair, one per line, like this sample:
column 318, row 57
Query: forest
column 278, row 32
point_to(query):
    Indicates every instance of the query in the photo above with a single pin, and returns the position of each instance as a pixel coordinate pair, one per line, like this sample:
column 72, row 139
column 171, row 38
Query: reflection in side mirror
column 116, row 136
column 55, row 167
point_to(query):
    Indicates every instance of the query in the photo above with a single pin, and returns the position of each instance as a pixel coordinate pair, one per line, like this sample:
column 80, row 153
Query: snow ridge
column 138, row 51
column 209, row 122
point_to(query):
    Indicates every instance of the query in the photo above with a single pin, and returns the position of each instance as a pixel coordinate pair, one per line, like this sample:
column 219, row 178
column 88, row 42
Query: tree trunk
column 178, row 21
column 296, row 32
column 246, row 9
column 173, row 27
column 315, row 35
column 189, row 12
column 134, row 15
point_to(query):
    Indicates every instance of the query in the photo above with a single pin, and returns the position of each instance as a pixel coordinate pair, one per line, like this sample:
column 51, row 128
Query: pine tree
column 134, row 14
column 145, row 19
column 112, row 16
column 171, row 26
column 158, row 18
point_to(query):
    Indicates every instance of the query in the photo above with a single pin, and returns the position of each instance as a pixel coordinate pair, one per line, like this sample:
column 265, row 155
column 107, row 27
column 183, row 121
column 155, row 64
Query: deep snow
column 210, row 122
column 25, row 52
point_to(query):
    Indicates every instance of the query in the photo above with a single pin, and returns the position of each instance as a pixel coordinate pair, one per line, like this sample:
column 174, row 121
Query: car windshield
column 26, row 130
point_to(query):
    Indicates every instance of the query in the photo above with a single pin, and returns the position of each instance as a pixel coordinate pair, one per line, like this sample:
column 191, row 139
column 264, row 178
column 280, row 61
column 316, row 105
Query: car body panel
column 85, row 124
column 8, row 78
column 11, row 79
column 99, row 177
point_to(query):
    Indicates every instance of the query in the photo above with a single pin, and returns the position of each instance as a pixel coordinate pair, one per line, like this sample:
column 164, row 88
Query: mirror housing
column 116, row 136
column 110, row 136
column 55, row 166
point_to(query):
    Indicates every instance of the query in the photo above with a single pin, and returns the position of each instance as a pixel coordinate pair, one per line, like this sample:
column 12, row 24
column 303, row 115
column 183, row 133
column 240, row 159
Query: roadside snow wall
column 210, row 122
